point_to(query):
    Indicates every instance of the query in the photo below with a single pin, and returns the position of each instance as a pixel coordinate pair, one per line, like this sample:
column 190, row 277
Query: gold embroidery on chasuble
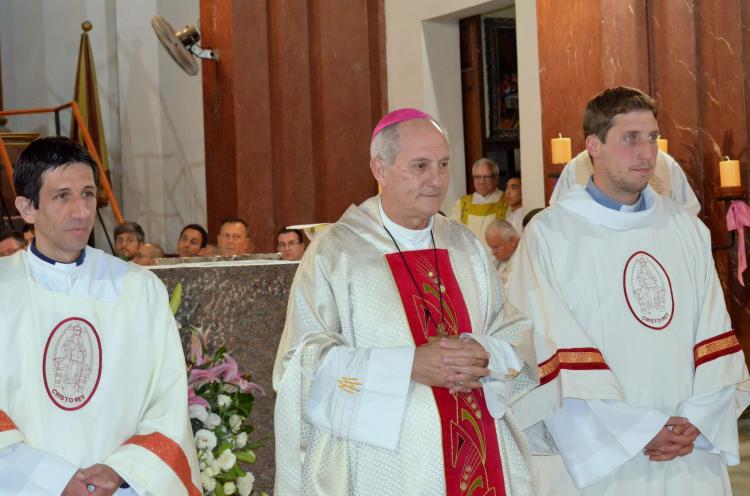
column 716, row 347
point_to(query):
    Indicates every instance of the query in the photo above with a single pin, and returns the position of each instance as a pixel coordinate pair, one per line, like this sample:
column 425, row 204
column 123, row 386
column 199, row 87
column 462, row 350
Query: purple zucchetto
column 399, row 115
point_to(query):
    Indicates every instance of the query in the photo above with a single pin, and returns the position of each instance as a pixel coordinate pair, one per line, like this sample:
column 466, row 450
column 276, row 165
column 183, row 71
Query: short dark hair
column 298, row 232
column 236, row 220
column 28, row 227
column 601, row 110
column 13, row 235
column 45, row 154
column 130, row 227
column 200, row 229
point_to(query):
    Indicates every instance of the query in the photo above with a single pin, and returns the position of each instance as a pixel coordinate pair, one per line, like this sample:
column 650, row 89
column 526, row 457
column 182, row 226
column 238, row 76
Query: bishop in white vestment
column 372, row 295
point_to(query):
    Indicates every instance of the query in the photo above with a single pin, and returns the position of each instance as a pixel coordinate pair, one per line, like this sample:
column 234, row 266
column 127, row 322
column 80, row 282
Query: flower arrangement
column 220, row 400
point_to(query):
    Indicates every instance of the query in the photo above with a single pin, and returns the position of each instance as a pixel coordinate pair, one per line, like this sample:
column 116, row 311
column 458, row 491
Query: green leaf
column 176, row 298
column 221, row 448
column 219, row 490
column 246, row 456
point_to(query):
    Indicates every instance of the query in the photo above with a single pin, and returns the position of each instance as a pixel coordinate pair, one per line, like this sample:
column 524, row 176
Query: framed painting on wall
column 502, row 78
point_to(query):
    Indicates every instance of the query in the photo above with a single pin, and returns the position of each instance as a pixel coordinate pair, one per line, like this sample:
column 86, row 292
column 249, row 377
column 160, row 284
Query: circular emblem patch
column 648, row 291
column 72, row 363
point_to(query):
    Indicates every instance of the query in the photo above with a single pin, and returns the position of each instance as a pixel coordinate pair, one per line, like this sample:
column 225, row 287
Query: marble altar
column 244, row 305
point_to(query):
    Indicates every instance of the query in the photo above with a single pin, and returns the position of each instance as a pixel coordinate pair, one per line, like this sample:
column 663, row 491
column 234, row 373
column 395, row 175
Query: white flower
column 229, row 488
column 214, row 466
column 245, row 484
column 198, row 412
column 235, row 422
column 227, row 459
column 205, row 440
column 208, row 482
column 229, row 388
column 212, row 421
column 223, row 400
column 240, row 440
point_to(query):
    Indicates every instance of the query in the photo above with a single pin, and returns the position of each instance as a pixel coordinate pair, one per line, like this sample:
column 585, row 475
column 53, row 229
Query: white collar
column 58, row 277
column 578, row 200
column 407, row 239
column 491, row 197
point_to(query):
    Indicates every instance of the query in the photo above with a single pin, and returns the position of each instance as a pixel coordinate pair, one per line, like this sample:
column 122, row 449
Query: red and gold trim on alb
column 571, row 359
column 6, row 424
column 716, row 347
column 170, row 453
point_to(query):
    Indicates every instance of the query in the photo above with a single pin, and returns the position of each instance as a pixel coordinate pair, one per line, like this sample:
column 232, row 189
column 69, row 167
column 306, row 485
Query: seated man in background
column 234, row 238
column 147, row 253
column 11, row 242
column 129, row 238
column 209, row 250
column 502, row 238
column 192, row 238
column 28, row 233
column 514, row 200
column 291, row 244
column 477, row 210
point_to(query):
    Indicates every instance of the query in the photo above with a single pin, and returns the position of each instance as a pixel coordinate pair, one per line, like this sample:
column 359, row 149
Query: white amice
column 668, row 180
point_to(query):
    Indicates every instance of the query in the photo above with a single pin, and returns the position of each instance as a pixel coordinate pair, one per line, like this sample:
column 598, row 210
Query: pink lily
column 203, row 376
column 196, row 347
column 194, row 399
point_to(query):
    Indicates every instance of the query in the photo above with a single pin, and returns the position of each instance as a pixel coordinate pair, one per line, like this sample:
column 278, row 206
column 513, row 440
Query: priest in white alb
column 93, row 389
column 641, row 375
column 399, row 357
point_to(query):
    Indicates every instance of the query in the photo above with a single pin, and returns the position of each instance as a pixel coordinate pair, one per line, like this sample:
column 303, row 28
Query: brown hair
column 601, row 110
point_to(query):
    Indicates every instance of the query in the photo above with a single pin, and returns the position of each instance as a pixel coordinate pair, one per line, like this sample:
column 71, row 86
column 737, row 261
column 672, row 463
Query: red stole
column 471, row 455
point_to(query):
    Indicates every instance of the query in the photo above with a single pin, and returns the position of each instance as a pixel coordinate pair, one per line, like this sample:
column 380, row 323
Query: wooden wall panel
column 675, row 84
column 625, row 59
column 584, row 47
column 289, row 109
column 570, row 52
column 472, row 93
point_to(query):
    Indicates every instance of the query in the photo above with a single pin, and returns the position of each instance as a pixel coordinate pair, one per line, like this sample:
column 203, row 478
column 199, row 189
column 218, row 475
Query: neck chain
column 428, row 315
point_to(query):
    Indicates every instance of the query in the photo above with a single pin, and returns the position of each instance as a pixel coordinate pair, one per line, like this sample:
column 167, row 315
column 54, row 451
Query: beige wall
column 424, row 70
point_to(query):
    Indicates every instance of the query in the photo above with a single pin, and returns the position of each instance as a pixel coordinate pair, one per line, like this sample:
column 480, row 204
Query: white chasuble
column 96, row 380
column 347, row 334
column 629, row 321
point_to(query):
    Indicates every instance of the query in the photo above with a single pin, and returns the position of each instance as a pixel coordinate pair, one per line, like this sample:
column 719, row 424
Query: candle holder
column 728, row 194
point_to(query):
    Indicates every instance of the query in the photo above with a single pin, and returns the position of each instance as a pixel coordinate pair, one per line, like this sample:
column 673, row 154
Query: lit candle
column 662, row 144
column 729, row 173
column 560, row 150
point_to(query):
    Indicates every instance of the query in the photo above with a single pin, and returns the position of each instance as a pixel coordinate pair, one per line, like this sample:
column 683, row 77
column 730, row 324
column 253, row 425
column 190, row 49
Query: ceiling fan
column 181, row 44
